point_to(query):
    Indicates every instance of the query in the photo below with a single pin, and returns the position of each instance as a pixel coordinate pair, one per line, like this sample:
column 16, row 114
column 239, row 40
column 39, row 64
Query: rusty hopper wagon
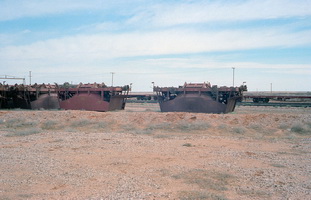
column 29, row 96
column 199, row 98
column 93, row 97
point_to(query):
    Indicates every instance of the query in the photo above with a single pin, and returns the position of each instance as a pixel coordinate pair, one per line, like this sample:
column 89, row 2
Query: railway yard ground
column 141, row 153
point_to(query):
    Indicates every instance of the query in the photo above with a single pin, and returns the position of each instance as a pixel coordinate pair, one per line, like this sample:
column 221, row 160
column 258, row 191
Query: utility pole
column 271, row 88
column 233, row 68
column 112, row 73
column 29, row 77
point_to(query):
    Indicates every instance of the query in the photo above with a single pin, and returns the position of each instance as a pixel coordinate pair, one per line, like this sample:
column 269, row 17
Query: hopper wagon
column 199, row 98
column 37, row 96
column 93, row 97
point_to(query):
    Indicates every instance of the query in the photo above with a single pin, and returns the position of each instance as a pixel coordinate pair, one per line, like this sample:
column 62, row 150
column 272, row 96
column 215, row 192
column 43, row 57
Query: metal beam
column 12, row 77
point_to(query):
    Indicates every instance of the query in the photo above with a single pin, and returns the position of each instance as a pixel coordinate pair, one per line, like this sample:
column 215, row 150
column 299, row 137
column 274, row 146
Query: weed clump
column 25, row 132
column 187, row 145
column 239, row 130
column 300, row 128
column 197, row 125
column 210, row 180
column 283, row 126
column 48, row 125
column 130, row 128
column 20, row 123
column 223, row 126
column 256, row 127
column 101, row 125
column 195, row 195
column 254, row 193
column 142, row 132
column 161, row 126
column 80, row 123
column 181, row 126
column 277, row 165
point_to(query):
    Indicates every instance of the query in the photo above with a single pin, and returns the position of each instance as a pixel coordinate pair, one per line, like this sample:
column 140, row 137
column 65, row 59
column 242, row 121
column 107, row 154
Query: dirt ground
column 141, row 153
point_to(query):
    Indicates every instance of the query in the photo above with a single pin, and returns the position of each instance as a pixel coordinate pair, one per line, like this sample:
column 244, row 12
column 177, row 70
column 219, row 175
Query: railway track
column 276, row 104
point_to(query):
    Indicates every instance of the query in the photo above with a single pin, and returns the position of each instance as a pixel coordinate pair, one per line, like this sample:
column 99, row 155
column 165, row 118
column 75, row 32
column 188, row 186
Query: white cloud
column 163, row 13
column 164, row 71
column 291, row 70
column 89, row 48
column 206, row 11
column 104, row 47
column 28, row 8
column 208, row 63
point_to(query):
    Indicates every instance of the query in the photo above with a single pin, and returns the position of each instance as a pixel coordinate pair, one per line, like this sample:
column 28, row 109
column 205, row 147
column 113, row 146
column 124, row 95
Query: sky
column 265, row 43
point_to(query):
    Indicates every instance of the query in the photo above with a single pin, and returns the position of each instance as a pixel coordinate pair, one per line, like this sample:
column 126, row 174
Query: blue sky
column 166, row 42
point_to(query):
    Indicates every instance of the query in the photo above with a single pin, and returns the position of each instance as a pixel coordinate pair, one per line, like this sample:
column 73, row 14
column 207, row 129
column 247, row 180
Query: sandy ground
column 140, row 153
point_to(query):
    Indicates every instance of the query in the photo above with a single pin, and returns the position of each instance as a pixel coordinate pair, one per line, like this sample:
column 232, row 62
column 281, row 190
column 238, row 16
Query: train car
column 199, row 98
column 92, row 97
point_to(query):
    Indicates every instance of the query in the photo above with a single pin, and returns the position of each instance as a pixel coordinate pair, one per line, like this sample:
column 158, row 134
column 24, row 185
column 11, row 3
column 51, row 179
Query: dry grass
column 188, row 145
column 180, row 126
column 19, row 127
column 50, row 125
column 278, row 165
column 197, row 195
column 239, row 130
column 254, row 194
column 80, row 123
column 202, row 155
column 20, row 123
column 301, row 128
column 24, row 132
column 172, row 123
column 23, row 126
column 212, row 184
